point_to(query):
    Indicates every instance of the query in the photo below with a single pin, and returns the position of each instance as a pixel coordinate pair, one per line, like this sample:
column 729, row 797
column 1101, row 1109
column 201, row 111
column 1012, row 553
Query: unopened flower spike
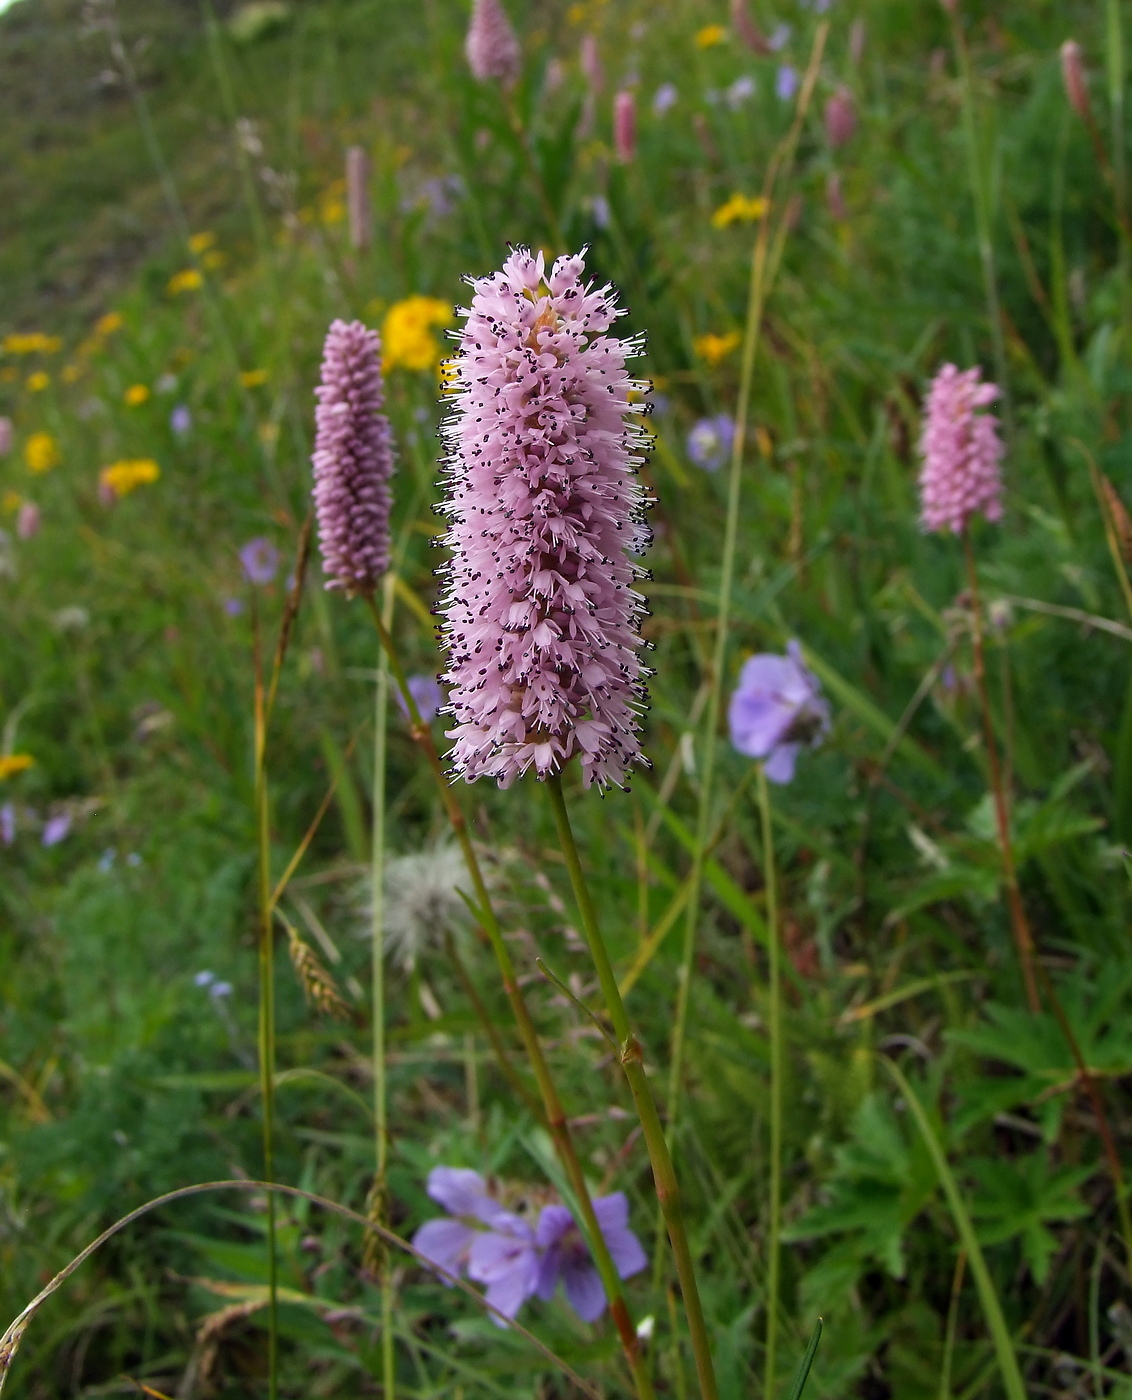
column 492, row 46
column 961, row 450
column 540, row 617
column 353, row 460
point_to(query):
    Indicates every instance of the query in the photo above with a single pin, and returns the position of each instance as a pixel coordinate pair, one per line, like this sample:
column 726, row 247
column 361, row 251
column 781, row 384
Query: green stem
column 266, row 1019
column 981, row 197
column 632, row 1061
column 552, row 1104
column 377, row 909
column 1114, row 47
column 775, row 1028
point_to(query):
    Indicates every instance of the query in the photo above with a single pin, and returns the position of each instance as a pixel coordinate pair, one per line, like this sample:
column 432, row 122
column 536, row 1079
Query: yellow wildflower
column 713, row 348
column 38, row 381
column 123, row 477
column 202, row 242
column 12, row 502
column 407, row 333
column 108, row 324
column 252, row 378
column 576, row 14
column 739, row 208
column 33, row 343
column 189, row 280
column 710, row 35
column 136, row 394
column 41, row 453
column 11, row 763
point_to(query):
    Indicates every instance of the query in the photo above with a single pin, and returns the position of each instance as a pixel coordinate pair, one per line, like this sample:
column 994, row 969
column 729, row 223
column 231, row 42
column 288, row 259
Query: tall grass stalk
column 266, row 1009
column 555, row 1114
column 980, row 193
column 774, row 1003
column 1115, row 72
column 377, row 932
column 632, row 1062
column 765, row 259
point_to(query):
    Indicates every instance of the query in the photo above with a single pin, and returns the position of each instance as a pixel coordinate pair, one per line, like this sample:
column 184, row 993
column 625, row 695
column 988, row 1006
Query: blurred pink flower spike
column 1073, row 76
column 961, row 449
column 625, row 126
column 492, row 46
column 539, row 615
column 778, row 709
column 840, row 118
column 28, row 521
column 6, row 436
column 353, row 460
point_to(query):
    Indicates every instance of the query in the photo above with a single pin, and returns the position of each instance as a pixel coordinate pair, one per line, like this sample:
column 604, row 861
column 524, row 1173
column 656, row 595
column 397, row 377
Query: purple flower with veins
column 776, row 710
column 353, row 460
column 710, row 440
column 540, row 618
column 260, row 560
column 427, row 693
column 961, row 449
column 566, row 1255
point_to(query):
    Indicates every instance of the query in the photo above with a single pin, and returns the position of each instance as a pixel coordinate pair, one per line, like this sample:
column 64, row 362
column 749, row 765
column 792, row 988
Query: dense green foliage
column 128, row 634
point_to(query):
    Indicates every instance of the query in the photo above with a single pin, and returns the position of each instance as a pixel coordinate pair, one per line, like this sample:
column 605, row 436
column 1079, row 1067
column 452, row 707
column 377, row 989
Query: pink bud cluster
column 492, row 46
column 961, row 450
column 541, row 621
column 353, row 460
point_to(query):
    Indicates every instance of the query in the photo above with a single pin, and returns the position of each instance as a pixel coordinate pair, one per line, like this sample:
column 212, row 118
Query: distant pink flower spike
column 353, row 460
column 590, row 61
column 840, row 118
column 961, row 450
column 492, row 46
column 1073, row 76
column 540, row 618
column 624, row 126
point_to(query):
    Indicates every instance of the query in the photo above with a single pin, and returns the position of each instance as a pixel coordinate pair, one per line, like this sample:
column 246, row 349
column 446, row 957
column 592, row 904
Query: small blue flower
column 181, row 420
column 260, row 559
column 786, row 82
column 664, row 99
column 710, row 440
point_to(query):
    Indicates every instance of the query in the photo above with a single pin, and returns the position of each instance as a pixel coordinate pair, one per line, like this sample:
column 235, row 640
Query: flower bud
column 624, row 126
column 357, row 197
column 840, row 118
column 747, row 30
column 492, row 46
column 1073, row 76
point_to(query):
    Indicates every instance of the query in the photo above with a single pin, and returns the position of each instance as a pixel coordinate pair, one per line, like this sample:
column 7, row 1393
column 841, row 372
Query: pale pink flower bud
column 27, row 521
column 590, row 61
column 357, row 197
column 540, row 618
column 492, row 46
column 6, row 436
column 353, row 460
column 835, row 197
column 747, row 30
column 624, row 126
column 857, row 41
column 1073, row 76
column 840, row 118
column 961, row 450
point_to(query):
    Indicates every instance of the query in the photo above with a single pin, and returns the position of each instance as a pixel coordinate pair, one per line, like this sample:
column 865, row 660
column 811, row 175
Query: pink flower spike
column 962, row 450
column 624, row 126
column 540, row 619
column 840, row 118
column 492, row 46
column 353, row 460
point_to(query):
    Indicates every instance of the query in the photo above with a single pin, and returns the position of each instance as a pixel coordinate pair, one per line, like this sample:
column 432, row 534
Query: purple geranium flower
column 181, row 420
column 710, row 440
column 426, row 691
column 260, row 559
column 566, row 1255
column 56, row 829
column 665, row 98
column 786, row 82
column 776, row 709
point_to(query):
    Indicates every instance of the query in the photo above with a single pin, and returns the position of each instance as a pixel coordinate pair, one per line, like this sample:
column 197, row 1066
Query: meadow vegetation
column 821, row 203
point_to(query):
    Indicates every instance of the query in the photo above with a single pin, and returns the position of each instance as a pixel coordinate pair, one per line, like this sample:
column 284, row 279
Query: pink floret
column 962, row 450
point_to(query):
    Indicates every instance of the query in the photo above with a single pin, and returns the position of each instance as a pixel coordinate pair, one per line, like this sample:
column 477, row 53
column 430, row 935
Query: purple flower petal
column 56, row 829
column 584, row 1291
column 506, row 1261
column 444, row 1243
column 459, row 1190
column 776, row 708
column 624, row 1247
column 779, row 767
column 260, row 559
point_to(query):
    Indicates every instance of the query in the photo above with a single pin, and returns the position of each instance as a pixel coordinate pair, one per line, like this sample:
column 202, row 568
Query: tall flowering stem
column 632, row 1062
column 764, row 262
column 555, row 1113
column 774, row 994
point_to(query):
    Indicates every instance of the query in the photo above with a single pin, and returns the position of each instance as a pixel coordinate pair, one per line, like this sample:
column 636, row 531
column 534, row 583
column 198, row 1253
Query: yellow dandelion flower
column 710, row 35
column 41, row 453
column 123, row 477
column 190, row 280
column 202, row 242
column 38, row 381
column 136, row 394
column 252, row 378
column 333, row 211
column 11, row 763
column 713, row 348
column 408, row 333
column 108, row 324
column 740, row 208
column 31, row 343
